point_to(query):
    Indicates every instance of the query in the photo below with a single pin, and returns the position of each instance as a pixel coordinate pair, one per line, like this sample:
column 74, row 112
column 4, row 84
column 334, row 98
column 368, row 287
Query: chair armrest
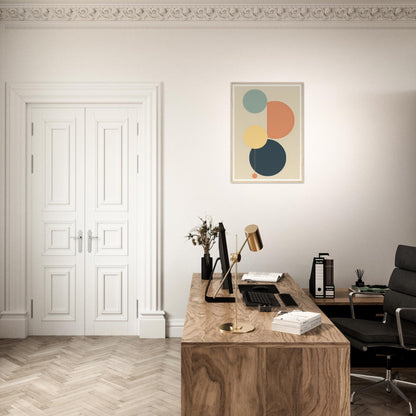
column 400, row 329
column 352, row 294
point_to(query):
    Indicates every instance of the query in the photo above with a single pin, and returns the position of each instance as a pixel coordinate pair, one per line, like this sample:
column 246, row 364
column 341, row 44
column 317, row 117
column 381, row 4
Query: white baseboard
column 13, row 325
column 175, row 328
column 152, row 324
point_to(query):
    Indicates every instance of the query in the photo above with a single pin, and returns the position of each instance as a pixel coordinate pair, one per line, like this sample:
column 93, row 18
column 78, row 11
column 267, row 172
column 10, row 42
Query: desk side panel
column 186, row 379
column 325, row 381
column 283, row 381
column 262, row 380
column 226, row 381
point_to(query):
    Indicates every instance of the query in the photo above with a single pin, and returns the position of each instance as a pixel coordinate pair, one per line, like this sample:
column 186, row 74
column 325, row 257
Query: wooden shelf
column 342, row 299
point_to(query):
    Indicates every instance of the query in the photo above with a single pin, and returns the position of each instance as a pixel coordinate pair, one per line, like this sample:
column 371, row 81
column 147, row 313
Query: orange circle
column 254, row 175
column 280, row 119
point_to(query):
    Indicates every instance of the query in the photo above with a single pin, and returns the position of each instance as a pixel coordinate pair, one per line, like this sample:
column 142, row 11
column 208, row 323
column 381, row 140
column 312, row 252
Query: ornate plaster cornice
column 208, row 13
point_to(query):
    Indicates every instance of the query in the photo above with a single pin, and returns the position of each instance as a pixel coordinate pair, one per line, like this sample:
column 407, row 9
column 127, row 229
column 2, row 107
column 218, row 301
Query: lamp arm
column 229, row 270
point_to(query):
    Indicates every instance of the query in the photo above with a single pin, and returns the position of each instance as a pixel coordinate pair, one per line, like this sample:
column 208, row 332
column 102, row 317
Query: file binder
column 321, row 282
column 329, row 278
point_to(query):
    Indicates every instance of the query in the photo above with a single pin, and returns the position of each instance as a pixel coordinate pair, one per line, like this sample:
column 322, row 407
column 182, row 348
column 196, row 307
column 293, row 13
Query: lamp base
column 241, row 329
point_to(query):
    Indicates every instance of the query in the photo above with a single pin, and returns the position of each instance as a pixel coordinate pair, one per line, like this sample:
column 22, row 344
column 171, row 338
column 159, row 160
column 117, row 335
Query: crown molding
column 208, row 13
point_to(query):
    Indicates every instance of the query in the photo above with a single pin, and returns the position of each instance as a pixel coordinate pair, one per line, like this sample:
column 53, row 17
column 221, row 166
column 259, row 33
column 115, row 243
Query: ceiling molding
column 208, row 13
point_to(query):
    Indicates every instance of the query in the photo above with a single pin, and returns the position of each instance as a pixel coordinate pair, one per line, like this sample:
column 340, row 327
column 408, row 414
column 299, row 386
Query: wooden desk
column 263, row 372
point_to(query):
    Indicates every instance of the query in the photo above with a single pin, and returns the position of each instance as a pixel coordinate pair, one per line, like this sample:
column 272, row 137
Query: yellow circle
column 255, row 137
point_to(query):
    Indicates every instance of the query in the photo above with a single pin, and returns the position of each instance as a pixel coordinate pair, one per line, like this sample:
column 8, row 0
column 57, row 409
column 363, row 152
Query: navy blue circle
column 269, row 159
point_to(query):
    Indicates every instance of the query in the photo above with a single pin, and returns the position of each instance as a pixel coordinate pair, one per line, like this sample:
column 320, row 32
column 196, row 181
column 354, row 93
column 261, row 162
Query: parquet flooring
column 377, row 402
column 89, row 376
column 121, row 376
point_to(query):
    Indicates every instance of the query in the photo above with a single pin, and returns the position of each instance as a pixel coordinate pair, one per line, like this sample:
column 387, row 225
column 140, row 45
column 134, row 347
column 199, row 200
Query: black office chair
column 397, row 332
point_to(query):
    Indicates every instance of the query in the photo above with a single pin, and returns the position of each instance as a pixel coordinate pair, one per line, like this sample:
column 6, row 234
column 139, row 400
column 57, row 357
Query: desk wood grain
column 264, row 372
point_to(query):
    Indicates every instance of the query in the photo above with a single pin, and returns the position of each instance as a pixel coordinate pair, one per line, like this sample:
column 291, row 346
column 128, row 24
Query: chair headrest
column 406, row 258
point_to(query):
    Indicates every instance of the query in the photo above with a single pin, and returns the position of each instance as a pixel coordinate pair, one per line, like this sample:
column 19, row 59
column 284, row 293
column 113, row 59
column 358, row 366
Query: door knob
column 79, row 238
column 90, row 237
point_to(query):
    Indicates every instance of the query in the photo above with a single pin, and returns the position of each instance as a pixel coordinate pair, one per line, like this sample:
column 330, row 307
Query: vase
column 359, row 283
column 206, row 268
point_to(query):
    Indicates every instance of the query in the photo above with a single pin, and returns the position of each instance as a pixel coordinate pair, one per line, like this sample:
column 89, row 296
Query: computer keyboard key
column 260, row 298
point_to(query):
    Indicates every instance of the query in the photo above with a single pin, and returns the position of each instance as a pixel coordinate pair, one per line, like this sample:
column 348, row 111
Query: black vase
column 206, row 268
column 359, row 283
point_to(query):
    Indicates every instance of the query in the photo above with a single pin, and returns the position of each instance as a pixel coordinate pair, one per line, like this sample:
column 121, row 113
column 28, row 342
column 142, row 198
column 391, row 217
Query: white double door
column 83, row 219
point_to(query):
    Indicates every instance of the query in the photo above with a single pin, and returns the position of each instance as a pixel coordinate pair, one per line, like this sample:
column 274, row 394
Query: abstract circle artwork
column 267, row 132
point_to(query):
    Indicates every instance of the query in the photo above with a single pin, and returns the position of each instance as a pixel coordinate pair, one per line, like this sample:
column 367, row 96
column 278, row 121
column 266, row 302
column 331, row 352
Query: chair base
column 391, row 384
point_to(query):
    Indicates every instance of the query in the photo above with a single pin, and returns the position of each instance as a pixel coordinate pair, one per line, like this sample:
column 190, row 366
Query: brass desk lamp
column 253, row 239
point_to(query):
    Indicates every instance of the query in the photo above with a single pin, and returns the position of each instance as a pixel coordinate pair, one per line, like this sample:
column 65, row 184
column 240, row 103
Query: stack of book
column 369, row 289
column 296, row 322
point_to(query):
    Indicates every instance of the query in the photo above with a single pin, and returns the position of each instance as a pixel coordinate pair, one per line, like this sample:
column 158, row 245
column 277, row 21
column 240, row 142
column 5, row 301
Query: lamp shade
column 253, row 237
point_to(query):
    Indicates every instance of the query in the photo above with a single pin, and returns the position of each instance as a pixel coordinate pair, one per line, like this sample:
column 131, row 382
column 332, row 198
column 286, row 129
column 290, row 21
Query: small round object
column 265, row 308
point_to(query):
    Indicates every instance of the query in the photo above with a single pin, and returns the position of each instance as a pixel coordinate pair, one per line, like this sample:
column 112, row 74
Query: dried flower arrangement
column 204, row 235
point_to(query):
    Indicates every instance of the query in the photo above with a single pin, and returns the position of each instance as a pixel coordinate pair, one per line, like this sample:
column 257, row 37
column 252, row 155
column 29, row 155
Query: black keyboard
column 260, row 298
column 287, row 299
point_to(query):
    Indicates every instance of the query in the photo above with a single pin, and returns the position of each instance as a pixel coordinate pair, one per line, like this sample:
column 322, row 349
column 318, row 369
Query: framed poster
column 266, row 132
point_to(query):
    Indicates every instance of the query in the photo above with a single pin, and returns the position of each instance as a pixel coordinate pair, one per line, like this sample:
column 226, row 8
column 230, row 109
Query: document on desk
column 262, row 277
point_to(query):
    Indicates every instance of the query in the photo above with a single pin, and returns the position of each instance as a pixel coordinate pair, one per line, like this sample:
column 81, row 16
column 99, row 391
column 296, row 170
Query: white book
column 296, row 322
column 262, row 277
column 295, row 331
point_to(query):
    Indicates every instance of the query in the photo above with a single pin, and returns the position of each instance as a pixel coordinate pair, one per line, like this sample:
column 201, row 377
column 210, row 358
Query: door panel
column 111, row 221
column 60, row 165
column 56, row 200
column 110, row 151
column 84, row 184
column 112, row 301
column 59, row 293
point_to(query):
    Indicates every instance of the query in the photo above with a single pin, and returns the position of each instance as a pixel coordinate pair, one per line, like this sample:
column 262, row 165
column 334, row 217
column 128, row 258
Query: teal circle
column 254, row 101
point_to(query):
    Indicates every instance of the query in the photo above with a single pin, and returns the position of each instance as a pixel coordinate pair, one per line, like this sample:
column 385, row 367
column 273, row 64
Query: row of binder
column 321, row 282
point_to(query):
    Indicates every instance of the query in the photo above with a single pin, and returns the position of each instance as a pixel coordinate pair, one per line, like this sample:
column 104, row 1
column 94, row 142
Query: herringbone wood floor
column 120, row 376
column 89, row 376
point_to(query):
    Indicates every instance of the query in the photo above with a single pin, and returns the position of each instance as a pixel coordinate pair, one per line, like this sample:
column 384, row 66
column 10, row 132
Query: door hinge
column 138, row 129
column 32, row 129
column 137, row 162
column 31, row 308
column 31, row 164
column 137, row 308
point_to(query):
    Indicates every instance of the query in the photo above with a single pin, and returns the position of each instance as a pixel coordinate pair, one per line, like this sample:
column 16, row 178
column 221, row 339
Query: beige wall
column 358, row 200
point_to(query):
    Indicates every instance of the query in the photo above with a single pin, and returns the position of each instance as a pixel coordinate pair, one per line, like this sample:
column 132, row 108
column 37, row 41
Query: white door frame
column 14, row 317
